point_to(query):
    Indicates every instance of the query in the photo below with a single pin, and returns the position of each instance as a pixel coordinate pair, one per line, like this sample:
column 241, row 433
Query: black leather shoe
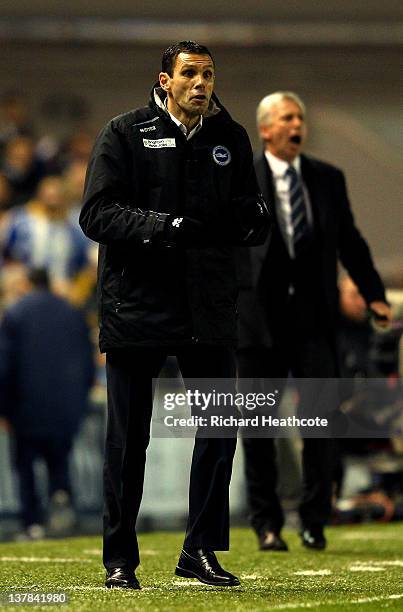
column 202, row 564
column 121, row 578
column 268, row 540
column 313, row 537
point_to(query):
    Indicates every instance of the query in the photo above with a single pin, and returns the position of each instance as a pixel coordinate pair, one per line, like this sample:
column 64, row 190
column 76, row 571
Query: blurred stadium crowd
column 41, row 184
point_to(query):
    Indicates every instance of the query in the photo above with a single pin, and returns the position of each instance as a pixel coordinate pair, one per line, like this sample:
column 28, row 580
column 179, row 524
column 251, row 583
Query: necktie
column 299, row 218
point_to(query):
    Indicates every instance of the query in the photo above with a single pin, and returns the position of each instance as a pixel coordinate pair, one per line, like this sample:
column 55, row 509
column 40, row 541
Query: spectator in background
column 362, row 351
column 354, row 330
column 6, row 193
column 354, row 335
column 366, row 351
column 5, row 201
column 74, row 176
column 12, row 284
column 58, row 156
column 46, row 371
column 22, row 168
column 14, row 118
column 77, row 148
column 41, row 234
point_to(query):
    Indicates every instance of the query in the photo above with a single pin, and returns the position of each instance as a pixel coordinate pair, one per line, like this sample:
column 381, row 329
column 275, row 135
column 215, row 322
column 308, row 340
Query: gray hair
column 265, row 106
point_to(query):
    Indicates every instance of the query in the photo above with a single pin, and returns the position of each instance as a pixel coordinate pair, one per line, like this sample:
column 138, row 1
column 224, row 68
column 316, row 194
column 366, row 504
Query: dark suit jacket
column 262, row 300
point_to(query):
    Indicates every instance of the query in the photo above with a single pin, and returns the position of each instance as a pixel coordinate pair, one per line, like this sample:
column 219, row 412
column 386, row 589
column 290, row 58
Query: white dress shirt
column 282, row 182
column 183, row 127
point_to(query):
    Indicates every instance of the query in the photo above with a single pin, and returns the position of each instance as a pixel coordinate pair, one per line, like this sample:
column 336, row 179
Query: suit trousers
column 305, row 356
column 55, row 451
column 130, row 399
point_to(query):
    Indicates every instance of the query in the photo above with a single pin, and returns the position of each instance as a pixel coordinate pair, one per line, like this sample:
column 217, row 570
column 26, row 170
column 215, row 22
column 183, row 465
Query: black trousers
column 130, row 398
column 55, row 451
column 305, row 356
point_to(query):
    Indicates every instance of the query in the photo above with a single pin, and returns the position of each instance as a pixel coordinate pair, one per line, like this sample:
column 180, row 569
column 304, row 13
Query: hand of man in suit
column 382, row 313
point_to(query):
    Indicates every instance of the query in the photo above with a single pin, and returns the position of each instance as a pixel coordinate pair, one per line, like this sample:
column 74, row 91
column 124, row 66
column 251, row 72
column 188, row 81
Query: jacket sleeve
column 251, row 217
column 109, row 214
column 354, row 251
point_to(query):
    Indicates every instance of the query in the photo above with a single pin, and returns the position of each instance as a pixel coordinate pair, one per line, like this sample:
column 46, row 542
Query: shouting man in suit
column 288, row 303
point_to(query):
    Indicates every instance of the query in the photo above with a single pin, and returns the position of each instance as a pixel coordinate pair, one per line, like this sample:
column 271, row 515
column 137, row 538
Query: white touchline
column 294, row 606
column 317, row 604
column 366, row 568
column 370, row 536
column 323, row 572
column 98, row 552
column 63, row 587
column 382, row 598
column 148, row 552
column 92, row 551
column 187, row 583
column 46, row 560
column 102, row 588
column 252, row 577
column 396, row 562
column 374, row 566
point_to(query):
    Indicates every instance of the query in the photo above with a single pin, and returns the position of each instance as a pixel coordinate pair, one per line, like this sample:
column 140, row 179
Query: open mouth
column 296, row 139
column 200, row 98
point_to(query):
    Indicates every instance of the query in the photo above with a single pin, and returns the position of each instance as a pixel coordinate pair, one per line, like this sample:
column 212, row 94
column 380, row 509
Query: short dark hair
column 169, row 56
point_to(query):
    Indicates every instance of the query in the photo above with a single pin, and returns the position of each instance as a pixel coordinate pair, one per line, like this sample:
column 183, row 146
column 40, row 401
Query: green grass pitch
column 362, row 569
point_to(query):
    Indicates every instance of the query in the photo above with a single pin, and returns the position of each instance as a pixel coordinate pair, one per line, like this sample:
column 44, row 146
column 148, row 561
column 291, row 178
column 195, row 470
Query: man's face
column 50, row 193
column 190, row 87
column 286, row 133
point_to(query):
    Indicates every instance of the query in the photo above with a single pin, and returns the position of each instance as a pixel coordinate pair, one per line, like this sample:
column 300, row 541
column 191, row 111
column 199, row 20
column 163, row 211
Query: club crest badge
column 221, row 155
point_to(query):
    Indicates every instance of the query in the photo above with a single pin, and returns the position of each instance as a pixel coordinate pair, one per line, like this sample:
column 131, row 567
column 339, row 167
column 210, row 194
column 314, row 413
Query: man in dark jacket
column 170, row 191
column 46, row 371
column 288, row 304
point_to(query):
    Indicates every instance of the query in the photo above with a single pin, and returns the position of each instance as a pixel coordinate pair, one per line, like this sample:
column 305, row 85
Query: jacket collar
column 279, row 166
column 265, row 175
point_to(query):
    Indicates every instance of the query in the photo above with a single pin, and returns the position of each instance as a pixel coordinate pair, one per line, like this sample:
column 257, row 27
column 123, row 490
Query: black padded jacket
column 168, row 213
